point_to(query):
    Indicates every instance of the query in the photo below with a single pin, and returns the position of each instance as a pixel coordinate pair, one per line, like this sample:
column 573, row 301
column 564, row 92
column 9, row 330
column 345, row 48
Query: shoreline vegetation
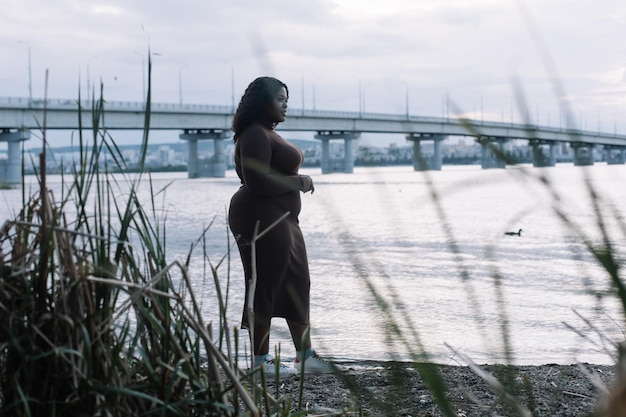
column 97, row 320
column 460, row 161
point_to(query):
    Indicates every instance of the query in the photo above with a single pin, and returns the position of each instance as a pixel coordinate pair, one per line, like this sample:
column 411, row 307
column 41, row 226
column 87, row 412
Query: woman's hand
column 307, row 184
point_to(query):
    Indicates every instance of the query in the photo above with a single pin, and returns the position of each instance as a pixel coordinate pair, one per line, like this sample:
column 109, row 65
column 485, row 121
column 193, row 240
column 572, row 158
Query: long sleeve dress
column 268, row 168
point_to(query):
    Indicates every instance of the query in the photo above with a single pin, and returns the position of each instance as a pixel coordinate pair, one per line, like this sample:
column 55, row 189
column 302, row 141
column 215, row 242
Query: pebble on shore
column 398, row 389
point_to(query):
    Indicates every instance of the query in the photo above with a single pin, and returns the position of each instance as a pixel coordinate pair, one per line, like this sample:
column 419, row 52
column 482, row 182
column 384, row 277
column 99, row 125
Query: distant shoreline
column 183, row 168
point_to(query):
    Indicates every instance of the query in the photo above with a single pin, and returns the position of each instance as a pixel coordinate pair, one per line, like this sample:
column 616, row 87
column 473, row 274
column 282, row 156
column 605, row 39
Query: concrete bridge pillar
column 492, row 152
column 422, row 162
column 615, row 155
column 583, row 153
column 345, row 164
column 540, row 158
column 325, row 155
column 11, row 169
column 213, row 167
column 192, row 158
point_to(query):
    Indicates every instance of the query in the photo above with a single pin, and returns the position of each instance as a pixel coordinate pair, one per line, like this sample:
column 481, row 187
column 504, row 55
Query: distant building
column 131, row 156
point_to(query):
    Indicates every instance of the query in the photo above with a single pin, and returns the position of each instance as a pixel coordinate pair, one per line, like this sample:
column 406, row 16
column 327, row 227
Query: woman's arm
column 255, row 151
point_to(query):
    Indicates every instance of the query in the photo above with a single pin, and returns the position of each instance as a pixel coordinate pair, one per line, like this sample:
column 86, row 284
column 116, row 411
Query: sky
column 488, row 59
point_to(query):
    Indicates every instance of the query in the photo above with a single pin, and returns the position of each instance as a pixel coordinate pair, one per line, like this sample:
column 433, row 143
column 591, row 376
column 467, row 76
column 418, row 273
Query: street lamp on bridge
column 180, row 83
column 232, row 84
column 89, row 86
column 30, row 75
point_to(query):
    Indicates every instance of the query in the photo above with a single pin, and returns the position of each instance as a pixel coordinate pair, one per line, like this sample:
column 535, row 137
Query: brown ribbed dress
column 268, row 168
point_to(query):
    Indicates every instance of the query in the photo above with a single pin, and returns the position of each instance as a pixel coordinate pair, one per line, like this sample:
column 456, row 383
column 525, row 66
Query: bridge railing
column 72, row 104
column 21, row 102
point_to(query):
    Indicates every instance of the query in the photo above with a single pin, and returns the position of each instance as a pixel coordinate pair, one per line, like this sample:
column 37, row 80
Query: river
column 431, row 248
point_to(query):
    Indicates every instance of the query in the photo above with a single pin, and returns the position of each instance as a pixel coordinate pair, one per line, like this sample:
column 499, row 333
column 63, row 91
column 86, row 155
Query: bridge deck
column 17, row 112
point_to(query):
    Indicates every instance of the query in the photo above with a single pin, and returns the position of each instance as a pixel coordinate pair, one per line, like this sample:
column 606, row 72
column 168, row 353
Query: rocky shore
column 397, row 389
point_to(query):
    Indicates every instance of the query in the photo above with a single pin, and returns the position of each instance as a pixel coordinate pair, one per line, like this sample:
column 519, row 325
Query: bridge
column 205, row 122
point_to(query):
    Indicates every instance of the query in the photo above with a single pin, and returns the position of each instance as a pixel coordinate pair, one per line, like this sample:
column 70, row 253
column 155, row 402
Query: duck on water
column 518, row 233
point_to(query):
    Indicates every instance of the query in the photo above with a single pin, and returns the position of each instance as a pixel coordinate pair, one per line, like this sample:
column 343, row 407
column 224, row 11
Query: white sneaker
column 270, row 365
column 315, row 365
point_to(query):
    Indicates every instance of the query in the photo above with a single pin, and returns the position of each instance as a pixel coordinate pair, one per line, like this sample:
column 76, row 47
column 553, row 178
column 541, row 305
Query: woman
column 267, row 166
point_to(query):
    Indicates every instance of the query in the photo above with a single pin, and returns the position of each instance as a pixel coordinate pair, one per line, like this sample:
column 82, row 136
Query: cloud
column 324, row 49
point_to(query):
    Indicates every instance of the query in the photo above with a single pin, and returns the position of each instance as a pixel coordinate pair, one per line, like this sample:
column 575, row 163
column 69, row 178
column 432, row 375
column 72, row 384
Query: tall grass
column 95, row 320
column 92, row 320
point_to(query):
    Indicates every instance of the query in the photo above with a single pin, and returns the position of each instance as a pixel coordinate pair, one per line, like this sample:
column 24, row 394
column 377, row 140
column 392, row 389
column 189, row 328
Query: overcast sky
column 333, row 54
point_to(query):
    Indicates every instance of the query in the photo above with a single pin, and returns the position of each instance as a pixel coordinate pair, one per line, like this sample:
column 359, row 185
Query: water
column 430, row 244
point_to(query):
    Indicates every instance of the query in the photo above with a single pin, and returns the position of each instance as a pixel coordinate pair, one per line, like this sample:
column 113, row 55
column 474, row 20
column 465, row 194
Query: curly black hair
column 254, row 101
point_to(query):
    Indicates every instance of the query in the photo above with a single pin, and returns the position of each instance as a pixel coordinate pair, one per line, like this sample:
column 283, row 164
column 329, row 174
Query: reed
column 95, row 319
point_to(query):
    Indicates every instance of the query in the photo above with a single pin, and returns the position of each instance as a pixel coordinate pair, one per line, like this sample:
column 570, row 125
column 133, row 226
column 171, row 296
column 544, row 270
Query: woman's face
column 277, row 109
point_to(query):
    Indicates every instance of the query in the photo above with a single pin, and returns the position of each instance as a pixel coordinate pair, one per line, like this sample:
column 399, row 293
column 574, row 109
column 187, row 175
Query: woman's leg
column 261, row 340
column 305, row 355
column 300, row 334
